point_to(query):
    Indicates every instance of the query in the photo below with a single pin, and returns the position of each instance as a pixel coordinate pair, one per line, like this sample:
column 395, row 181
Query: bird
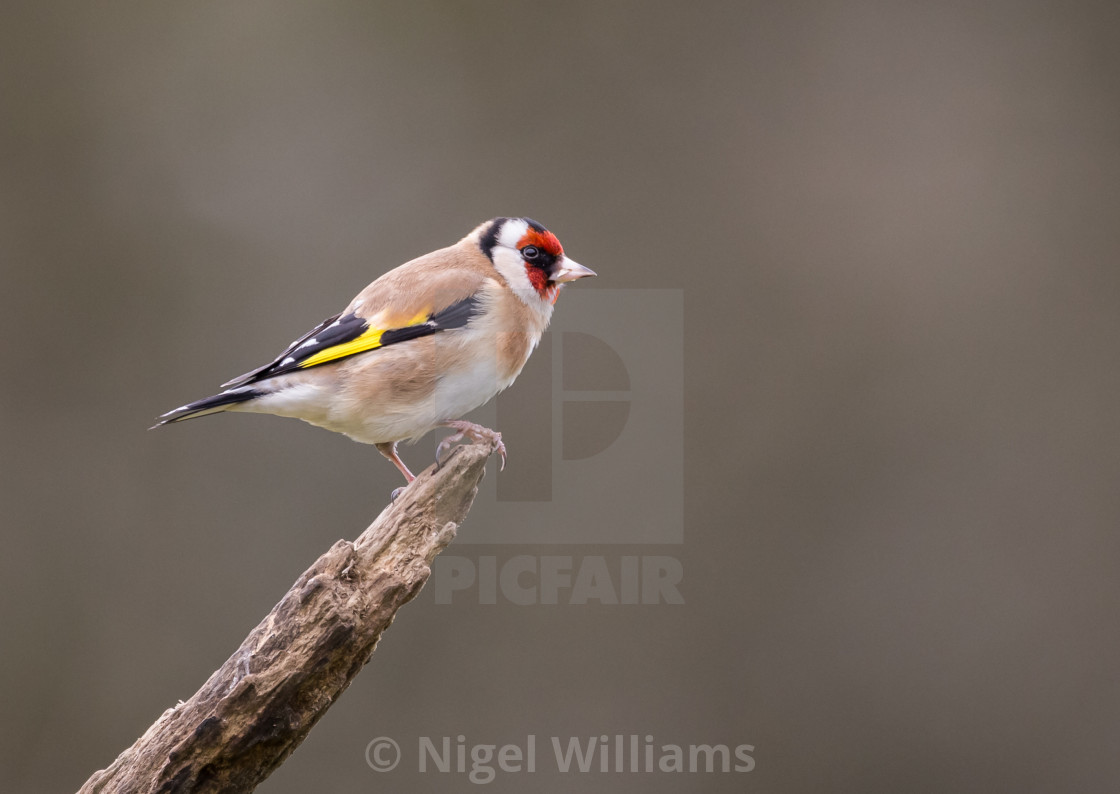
column 422, row 345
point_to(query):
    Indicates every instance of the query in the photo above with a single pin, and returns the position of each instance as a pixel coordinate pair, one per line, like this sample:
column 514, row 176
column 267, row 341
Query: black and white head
column 529, row 258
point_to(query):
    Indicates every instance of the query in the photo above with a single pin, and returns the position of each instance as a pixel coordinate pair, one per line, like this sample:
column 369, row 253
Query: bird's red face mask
column 544, row 262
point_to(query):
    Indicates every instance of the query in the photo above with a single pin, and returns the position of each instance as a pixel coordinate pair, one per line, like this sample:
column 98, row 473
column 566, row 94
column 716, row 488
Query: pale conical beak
column 570, row 270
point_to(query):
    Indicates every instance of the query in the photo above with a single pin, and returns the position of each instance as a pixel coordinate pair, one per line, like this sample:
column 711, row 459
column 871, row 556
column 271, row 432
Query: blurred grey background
column 895, row 226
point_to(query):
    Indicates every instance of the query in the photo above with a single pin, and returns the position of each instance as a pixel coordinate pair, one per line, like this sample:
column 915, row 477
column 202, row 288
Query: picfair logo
column 594, row 428
column 594, row 406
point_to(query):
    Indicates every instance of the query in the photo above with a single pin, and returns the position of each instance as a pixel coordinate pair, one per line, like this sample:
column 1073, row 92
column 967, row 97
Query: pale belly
column 402, row 393
column 373, row 421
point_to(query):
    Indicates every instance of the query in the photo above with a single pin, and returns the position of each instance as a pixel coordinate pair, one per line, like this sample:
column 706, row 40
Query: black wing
column 343, row 336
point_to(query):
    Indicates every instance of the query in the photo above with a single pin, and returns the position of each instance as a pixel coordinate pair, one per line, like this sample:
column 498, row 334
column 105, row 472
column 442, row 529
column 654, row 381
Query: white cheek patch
column 508, row 262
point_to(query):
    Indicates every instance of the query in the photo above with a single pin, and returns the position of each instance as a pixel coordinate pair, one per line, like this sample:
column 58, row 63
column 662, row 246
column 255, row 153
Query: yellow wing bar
column 369, row 339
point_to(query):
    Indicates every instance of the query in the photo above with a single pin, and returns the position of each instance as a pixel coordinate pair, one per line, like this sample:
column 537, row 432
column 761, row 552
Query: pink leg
column 476, row 433
column 390, row 451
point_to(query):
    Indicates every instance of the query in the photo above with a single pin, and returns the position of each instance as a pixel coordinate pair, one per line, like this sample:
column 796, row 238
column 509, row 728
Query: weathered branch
column 256, row 709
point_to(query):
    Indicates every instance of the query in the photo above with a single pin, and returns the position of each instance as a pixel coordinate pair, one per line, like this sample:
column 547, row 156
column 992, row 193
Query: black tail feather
column 210, row 405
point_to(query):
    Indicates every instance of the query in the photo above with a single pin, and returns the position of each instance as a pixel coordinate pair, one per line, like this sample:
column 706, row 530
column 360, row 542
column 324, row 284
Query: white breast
column 462, row 368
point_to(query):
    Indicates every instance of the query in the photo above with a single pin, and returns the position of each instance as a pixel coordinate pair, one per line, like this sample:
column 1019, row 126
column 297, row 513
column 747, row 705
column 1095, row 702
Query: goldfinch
column 419, row 347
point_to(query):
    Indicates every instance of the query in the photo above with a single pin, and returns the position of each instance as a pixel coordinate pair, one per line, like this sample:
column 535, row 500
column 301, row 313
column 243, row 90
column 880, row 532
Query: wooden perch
column 256, row 709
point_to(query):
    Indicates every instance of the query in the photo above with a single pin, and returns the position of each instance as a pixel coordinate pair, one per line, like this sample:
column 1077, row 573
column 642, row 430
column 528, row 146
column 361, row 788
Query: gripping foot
column 473, row 432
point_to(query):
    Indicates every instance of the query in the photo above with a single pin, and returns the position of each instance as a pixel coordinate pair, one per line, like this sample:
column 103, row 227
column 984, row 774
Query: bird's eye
column 530, row 252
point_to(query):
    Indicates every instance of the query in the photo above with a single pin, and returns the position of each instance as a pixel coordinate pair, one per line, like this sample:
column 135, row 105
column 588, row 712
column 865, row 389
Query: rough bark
column 256, row 709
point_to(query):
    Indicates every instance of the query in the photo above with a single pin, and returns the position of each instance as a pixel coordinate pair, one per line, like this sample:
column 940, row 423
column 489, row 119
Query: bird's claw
column 476, row 433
